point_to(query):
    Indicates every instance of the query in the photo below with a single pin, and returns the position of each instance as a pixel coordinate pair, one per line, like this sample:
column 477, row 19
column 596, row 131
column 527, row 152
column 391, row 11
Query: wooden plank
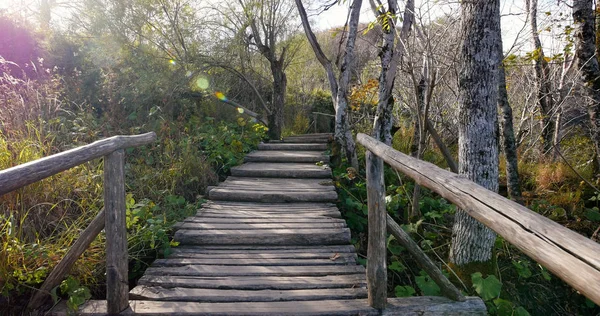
column 64, row 266
column 249, row 205
column 158, row 293
column 568, row 255
column 258, row 195
column 33, row 171
column 117, row 281
column 175, row 262
column 434, row 305
column 281, row 170
column 286, row 156
column 265, row 237
column 271, row 255
column 290, row 147
column 254, row 283
column 266, row 249
column 409, row 306
column 194, row 270
column 304, row 183
column 264, row 220
column 376, row 249
column 257, row 215
column 229, row 226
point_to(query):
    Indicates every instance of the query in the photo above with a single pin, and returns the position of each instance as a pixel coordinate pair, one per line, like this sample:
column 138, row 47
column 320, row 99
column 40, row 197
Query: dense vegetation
column 195, row 73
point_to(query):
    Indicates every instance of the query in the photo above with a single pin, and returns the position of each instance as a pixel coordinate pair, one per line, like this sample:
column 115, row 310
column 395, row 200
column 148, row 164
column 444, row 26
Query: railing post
column 316, row 117
column 117, row 283
column 376, row 252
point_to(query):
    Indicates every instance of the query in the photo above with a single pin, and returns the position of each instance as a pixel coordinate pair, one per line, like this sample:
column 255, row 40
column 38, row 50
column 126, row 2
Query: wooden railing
column 570, row 256
column 112, row 217
column 314, row 124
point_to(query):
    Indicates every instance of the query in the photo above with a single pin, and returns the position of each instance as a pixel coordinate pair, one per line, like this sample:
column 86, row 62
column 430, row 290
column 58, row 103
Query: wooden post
column 376, row 251
column 117, row 283
column 316, row 125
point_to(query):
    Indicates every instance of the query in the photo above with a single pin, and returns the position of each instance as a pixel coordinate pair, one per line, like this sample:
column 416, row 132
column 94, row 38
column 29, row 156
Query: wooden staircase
column 269, row 242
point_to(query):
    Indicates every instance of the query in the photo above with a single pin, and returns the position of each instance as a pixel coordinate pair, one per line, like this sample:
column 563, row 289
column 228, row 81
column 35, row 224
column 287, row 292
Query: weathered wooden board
column 281, row 170
column 266, row 249
column 193, row 270
column 264, row 220
column 569, row 255
column 347, row 256
column 254, row 283
column 261, row 195
column 289, row 147
column 253, row 214
column 250, row 205
column 286, row 156
column 336, row 236
column 176, row 262
column 228, row 226
column 158, row 293
column 410, row 306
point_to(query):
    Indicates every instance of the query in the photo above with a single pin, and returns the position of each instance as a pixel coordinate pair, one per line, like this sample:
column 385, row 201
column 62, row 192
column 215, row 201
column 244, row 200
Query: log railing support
column 117, row 282
column 377, row 250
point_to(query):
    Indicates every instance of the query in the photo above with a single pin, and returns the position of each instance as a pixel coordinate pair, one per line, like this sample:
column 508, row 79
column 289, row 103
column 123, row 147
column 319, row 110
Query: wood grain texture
column 376, row 249
column 289, row 147
column 323, row 236
column 281, row 170
column 570, row 256
column 262, row 283
column 176, row 262
column 411, row 306
column 117, row 278
column 27, row 173
column 157, row 293
column 286, row 156
column 349, row 256
column 258, row 271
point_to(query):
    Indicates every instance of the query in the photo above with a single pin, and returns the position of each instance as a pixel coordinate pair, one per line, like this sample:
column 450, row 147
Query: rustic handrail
column 112, row 216
column 315, row 119
column 570, row 256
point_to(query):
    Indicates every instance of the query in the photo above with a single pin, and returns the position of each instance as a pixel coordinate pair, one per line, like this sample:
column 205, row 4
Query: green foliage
column 427, row 285
column 404, row 291
column 488, row 288
column 76, row 293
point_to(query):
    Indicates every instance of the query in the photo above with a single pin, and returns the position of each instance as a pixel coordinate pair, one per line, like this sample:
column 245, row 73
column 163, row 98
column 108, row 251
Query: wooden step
column 261, row 249
column 286, row 156
column 281, row 170
column 158, row 293
column 266, row 214
column 253, row 283
column 332, row 256
column 248, row 226
column 292, row 146
column 177, row 262
column 256, row 271
column 257, row 194
column 323, row 236
column 418, row 305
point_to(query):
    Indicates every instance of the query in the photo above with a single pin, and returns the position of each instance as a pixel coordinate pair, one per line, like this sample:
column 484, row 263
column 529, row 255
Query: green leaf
column 520, row 311
column 397, row 266
column 522, row 269
column 427, row 285
column 404, row 291
column 592, row 215
column 503, row 307
column 487, row 288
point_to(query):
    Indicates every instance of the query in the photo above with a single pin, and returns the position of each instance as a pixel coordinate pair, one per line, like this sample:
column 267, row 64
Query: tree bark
column 278, row 99
column 543, row 83
column 390, row 58
column 339, row 93
column 587, row 62
column 478, row 140
column 507, row 134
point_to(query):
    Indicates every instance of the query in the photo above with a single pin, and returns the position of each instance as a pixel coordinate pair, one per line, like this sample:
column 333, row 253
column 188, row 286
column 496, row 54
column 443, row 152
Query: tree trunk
column 339, row 94
column 472, row 242
column 507, row 134
column 587, row 62
column 277, row 99
column 420, row 135
column 542, row 74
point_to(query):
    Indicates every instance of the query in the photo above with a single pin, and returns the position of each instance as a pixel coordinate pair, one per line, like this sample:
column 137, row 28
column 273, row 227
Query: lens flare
column 202, row 83
column 172, row 62
column 188, row 73
column 240, row 110
column 220, row 96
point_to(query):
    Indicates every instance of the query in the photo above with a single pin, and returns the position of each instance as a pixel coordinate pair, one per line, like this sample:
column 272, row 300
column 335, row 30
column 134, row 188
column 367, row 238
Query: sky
column 514, row 36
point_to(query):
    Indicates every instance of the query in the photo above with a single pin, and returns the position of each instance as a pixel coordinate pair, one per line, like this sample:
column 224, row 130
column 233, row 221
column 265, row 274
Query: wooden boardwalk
column 270, row 241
